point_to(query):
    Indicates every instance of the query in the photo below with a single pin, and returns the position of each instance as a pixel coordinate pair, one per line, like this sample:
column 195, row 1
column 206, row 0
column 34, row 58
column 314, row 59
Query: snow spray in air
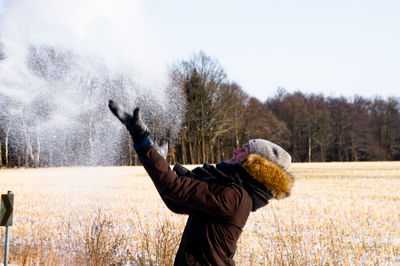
column 60, row 63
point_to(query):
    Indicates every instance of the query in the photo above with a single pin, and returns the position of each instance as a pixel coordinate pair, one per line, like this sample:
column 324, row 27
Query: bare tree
column 2, row 54
column 386, row 117
column 200, row 79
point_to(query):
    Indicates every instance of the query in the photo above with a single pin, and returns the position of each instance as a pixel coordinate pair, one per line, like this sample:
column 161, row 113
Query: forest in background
column 219, row 117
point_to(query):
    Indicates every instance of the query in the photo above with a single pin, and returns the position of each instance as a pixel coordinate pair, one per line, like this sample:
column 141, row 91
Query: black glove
column 134, row 124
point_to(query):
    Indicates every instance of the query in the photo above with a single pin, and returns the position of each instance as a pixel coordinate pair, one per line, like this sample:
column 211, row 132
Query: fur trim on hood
column 274, row 178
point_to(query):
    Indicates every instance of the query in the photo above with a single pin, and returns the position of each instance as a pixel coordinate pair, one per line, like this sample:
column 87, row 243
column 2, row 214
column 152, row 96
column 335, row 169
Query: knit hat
column 270, row 151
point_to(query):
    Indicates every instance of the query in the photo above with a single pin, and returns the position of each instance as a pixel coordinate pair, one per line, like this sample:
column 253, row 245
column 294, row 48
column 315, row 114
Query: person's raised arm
column 140, row 133
column 176, row 191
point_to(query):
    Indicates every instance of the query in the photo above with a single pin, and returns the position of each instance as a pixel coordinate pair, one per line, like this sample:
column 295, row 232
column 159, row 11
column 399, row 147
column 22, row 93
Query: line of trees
column 218, row 117
column 221, row 116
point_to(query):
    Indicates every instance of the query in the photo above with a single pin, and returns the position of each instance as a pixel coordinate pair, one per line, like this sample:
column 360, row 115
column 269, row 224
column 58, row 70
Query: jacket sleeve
column 175, row 207
column 189, row 194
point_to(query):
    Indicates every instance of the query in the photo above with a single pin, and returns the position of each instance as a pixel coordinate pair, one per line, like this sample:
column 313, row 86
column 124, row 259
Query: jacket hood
column 238, row 175
column 273, row 177
column 228, row 174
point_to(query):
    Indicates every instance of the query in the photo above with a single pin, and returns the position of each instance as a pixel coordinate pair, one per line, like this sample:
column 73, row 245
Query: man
column 217, row 199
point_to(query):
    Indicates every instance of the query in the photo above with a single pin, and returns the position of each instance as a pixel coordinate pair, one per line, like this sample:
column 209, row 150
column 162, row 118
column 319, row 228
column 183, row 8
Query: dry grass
column 339, row 213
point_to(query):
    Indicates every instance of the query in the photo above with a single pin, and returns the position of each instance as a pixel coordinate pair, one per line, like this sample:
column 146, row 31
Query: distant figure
column 217, row 199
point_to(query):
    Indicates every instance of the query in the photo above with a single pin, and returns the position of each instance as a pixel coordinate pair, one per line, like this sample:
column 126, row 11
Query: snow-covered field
column 339, row 213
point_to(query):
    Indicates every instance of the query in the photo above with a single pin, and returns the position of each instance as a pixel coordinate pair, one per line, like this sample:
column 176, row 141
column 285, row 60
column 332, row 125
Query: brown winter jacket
column 218, row 204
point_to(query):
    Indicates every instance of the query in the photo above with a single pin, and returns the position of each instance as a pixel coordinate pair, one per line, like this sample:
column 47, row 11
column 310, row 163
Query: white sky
column 341, row 47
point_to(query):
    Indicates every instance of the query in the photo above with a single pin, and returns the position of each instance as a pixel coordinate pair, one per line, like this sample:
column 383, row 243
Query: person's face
column 239, row 155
